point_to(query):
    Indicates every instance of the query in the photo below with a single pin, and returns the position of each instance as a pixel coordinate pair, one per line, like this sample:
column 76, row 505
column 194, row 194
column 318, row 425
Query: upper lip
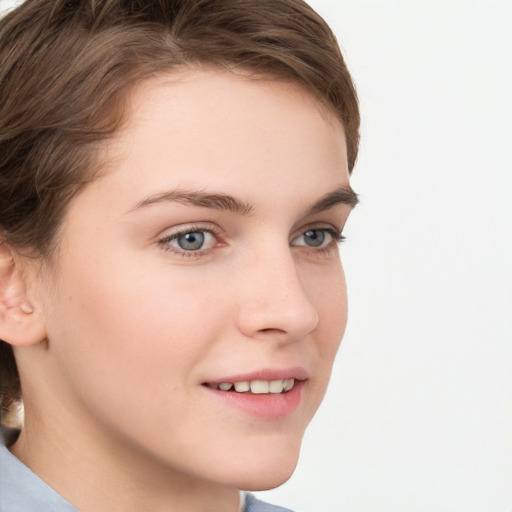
column 269, row 374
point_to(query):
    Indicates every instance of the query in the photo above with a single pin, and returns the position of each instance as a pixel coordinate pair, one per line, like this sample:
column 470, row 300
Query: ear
column 20, row 320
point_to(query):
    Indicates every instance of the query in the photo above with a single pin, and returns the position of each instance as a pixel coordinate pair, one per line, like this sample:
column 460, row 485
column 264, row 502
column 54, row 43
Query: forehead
column 192, row 92
column 214, row 114
column 237, row 84
column 259, row 140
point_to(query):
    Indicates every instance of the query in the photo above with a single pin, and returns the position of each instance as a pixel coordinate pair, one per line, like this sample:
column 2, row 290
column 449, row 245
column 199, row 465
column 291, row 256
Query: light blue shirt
column 21, row 490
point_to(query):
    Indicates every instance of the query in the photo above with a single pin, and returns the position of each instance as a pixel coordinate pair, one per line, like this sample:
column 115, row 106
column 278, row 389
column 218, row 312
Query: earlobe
column 20, row 320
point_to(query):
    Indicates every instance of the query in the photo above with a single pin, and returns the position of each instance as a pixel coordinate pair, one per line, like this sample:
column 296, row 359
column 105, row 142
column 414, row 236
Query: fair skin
column 142, row 322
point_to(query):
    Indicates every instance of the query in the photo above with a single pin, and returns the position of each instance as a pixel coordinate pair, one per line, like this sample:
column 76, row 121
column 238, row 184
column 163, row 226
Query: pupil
column 191, row 241
column 314, row 238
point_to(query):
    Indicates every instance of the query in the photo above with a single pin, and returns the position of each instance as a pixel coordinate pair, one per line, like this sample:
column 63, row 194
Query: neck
column 96, row 473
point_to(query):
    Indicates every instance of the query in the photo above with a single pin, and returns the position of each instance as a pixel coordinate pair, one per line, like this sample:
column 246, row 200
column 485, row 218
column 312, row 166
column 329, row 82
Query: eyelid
column 321, row 226
column 328, row 249
column 189, row 228
column 182, row 229
column 173, row 233
column 335, row 235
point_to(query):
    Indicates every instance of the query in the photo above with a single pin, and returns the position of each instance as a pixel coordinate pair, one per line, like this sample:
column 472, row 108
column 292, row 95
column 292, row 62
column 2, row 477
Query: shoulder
column 254, row 505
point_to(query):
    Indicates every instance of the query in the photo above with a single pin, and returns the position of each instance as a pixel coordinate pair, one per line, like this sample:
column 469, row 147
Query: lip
column 297, row 373
column 264, row 406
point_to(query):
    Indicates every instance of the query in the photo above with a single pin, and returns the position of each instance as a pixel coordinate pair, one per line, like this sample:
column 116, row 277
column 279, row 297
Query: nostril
column 271, row 330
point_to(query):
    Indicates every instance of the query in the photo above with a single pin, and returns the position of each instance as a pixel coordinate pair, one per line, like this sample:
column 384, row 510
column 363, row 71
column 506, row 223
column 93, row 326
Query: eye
column 190, row 241
column 318, row 238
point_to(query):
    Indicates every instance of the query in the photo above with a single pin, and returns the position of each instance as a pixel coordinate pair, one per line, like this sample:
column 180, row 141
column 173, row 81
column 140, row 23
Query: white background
column 419, row 414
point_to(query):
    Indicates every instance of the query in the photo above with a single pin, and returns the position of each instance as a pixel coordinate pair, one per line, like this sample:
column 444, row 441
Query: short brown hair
column 65, row 68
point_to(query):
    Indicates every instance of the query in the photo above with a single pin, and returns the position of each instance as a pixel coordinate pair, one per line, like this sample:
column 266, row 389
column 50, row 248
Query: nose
column 273, row 301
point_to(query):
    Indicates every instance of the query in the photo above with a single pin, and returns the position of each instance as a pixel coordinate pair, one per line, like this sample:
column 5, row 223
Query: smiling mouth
column 256, row 387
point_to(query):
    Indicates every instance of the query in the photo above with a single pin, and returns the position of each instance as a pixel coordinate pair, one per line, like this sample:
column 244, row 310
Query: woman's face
column 203, row 261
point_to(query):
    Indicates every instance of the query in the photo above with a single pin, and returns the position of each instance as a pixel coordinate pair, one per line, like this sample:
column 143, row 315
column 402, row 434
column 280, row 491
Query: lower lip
column 267, row 406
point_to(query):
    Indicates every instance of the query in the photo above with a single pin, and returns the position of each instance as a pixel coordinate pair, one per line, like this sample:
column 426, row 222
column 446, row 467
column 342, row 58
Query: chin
column 267, row 482
column 266, row 469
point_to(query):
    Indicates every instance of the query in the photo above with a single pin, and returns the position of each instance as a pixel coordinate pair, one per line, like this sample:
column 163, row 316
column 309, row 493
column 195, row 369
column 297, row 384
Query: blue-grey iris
column 191, row 241
column 314, row 237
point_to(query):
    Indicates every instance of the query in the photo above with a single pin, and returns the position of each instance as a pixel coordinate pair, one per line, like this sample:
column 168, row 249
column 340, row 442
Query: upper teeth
column 257, row 386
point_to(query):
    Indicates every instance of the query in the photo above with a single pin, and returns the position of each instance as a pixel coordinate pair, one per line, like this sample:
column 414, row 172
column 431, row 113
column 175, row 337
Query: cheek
column 118, row 328
column 330, row 294
column 336, row 310
column 331, row 303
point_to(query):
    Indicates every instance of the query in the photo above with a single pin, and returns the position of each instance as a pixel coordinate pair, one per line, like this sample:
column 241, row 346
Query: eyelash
column 165, row 242
column 336, row 239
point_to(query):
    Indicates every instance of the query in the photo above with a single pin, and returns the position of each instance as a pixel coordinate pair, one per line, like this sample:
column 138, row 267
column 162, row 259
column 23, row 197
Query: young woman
column 174, row 179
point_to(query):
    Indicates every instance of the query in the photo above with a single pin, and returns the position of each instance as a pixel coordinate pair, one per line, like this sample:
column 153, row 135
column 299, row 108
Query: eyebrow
column 342, row 195
column 225, row 202
column 198, row 198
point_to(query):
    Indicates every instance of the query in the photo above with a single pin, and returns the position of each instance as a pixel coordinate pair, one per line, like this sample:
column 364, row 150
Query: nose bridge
column 274, row 299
